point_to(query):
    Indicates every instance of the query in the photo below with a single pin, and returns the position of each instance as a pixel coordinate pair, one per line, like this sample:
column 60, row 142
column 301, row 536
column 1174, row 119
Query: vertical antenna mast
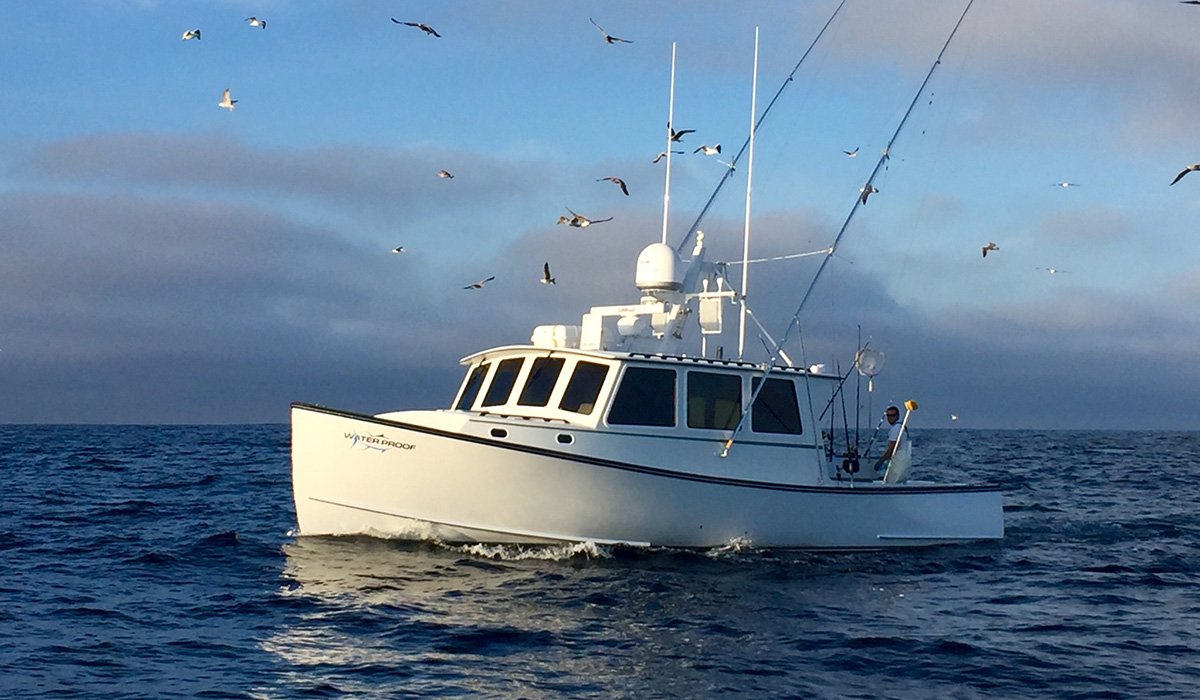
column 670, row 122
column 749, row 180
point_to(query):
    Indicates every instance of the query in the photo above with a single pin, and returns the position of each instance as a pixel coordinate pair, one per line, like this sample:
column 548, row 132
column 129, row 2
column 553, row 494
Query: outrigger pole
column 858, row 201
column 749, row 181
column 670, row 126
column 729, row 171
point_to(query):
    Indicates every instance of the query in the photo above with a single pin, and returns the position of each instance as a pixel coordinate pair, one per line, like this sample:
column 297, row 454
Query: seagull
column 191, row 34
column 677, row 135
column 662, row 155
column 709, row 150
column 398, row 249
column 953, row 416
column 608, row 37
column 867, row 192
column 989, row 246
column 445, row 175
column 1188, row 169
column 1189, row 2
column 480, row 283
column 423, row 27
column 618, row 182
column 851, row 154
column 546, row 278
column 1065, row 184
column 580, row 221
column 1053, row 270
column 226, row 102
column 256, row 22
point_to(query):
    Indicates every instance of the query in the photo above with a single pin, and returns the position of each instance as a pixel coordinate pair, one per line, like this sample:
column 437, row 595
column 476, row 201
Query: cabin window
column 714, row 401
column 502, row 382
column 474, row 382
column 542, row 378
column 775, row 410
column 646, row 397
column 584, row 388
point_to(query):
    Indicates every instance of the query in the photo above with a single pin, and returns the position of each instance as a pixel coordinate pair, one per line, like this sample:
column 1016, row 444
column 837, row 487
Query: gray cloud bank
column 149, row 278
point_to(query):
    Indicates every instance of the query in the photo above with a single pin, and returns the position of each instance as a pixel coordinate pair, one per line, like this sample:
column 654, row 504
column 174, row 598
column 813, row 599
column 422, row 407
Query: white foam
column 512, row 552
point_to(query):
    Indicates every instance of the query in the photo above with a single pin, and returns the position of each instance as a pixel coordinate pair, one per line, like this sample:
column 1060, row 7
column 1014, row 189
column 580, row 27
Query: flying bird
column 867, row 192
column 851, row 154
column 398, row 249
column 423, row 27
column 546, row 278
column 191, row 34
column 1065, row 184
column 662, row 155
column 1188, row 169
column 677, row 135
column 618, row 182
column 1189, row 2
column 709, row 150
column 480, row 283
column 256, row 22
column 1053, row 270
column 989, row 246
column 445, row 175
column 953, row 416
column 580, row 221
column 608, row 37
column 226, row 102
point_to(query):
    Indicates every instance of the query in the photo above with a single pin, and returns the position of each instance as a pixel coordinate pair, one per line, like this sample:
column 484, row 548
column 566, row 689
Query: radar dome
column 656, row 269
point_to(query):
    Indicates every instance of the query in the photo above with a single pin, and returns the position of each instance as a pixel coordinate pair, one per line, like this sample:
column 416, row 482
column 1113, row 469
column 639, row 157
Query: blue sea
column 162, row 562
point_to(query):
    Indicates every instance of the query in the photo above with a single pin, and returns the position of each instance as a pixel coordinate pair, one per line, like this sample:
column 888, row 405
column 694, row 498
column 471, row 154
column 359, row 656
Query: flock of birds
column 577, row 220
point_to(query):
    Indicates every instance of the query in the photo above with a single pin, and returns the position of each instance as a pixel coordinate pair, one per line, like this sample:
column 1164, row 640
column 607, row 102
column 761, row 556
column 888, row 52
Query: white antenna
column 749, row 179
column 670, row 125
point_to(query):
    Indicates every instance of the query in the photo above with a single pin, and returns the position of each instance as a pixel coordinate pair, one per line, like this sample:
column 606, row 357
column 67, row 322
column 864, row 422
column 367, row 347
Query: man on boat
column 893, row 419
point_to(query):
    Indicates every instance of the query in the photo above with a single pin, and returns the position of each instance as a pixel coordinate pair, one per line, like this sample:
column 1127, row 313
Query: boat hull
column 355, row 474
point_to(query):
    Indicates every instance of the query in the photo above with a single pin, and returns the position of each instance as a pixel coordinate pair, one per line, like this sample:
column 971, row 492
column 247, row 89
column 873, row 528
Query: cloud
column 348, row 177
column 156, row 277
column 1087, row 228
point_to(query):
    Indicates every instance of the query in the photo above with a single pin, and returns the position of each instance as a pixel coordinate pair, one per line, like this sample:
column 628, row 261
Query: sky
column 164, row 260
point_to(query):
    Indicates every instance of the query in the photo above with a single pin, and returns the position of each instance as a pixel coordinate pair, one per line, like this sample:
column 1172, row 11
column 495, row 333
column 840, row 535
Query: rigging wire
column 729, row 171
column 793, row 256
column 858, row 202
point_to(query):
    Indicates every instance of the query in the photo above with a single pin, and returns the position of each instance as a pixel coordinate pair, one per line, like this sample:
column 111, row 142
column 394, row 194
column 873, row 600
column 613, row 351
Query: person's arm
column 887, row 454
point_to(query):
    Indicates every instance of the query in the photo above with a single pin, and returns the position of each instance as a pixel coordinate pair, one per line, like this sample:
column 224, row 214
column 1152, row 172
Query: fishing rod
column 729, row 171
column 858, row 202
column 841, row 385
column 846, row 418
column 858, row 388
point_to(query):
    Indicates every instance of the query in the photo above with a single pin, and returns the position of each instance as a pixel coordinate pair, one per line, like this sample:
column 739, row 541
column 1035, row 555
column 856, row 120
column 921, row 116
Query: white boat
column 586, row 435
column 611, row 432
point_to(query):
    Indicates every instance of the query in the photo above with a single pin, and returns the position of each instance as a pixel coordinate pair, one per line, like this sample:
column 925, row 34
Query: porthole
column 499, row 433
column 565, row 439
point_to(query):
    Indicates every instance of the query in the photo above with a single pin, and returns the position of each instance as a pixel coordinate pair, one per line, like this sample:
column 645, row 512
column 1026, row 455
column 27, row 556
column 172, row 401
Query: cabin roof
column 638, row 357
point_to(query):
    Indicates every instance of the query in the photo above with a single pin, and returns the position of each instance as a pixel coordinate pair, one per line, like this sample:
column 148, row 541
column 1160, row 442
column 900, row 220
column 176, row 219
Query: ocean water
column 161, row 562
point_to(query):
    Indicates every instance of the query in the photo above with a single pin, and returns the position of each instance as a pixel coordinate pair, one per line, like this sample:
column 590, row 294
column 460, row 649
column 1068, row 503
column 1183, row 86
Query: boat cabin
column 635, row 392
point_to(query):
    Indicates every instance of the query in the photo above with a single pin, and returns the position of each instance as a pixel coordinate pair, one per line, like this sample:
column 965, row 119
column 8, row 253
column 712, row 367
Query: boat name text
column 377, row 442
